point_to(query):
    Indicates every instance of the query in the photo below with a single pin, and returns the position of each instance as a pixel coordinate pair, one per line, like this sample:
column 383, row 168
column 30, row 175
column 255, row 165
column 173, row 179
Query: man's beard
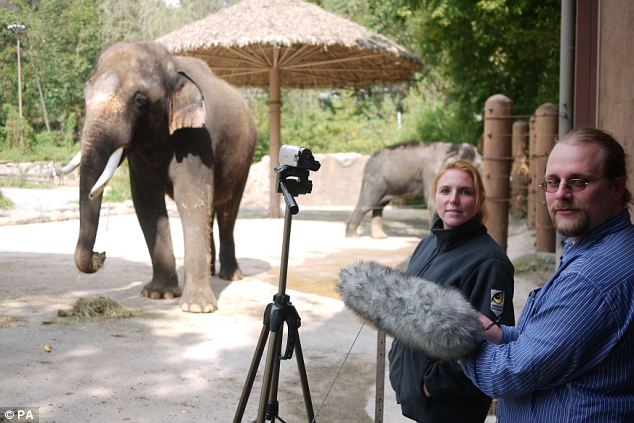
column 575, row 228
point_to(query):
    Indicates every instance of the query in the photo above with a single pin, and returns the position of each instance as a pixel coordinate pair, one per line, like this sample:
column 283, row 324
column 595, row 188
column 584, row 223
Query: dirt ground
column 166, row 365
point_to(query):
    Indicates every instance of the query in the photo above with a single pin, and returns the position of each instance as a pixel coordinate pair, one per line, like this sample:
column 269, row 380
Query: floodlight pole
column 18, row 29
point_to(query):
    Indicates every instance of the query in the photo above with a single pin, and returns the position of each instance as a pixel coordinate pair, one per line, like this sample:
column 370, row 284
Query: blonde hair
column 478, row 187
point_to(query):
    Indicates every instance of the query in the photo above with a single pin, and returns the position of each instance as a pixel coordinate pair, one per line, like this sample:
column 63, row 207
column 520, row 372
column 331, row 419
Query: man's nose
column 563, row 191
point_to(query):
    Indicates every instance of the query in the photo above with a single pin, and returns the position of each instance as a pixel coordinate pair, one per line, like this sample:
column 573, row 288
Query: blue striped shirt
column 570, row 358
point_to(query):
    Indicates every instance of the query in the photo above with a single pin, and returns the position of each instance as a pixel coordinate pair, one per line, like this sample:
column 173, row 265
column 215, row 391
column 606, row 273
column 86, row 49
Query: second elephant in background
column 402, row 170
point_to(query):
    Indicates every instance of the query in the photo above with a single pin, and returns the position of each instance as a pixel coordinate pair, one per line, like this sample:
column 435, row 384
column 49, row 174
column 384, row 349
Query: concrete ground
column 166, row 365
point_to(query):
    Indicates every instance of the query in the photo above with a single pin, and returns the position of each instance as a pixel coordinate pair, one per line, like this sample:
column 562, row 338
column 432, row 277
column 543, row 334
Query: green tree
column 57, row 52
column 480, row 48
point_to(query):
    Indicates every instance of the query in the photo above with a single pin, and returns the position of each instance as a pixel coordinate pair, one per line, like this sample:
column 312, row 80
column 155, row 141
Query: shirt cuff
column 508, row 334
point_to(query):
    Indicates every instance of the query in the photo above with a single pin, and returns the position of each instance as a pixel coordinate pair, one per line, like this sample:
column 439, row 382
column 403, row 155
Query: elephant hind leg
column 376, row 226
column 353, row 222
column 212, row 245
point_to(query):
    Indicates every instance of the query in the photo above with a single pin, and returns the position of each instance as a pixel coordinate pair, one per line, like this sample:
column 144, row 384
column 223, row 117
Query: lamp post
column 18, row 29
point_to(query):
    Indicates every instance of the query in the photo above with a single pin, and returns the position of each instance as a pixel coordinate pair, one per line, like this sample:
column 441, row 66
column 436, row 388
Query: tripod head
column 295, row 164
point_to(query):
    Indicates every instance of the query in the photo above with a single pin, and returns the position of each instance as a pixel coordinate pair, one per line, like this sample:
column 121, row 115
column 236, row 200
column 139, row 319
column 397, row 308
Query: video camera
column 300, row 157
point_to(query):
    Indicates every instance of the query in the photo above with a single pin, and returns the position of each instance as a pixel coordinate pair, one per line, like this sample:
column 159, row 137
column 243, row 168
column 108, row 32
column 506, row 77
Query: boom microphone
column 429, row 318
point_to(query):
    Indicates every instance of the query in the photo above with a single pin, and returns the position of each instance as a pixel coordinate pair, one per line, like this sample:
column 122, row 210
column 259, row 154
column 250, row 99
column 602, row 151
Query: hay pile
column 97, row 307
column 9, row 321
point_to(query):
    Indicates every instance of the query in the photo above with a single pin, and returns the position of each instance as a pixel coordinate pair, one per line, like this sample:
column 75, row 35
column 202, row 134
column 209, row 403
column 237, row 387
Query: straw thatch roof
column 311, row 47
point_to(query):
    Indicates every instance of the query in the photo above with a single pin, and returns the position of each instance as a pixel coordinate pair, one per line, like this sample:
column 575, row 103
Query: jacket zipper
column 429, row 263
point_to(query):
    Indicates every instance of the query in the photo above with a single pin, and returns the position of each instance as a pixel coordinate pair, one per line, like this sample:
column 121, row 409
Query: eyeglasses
column 574, row 185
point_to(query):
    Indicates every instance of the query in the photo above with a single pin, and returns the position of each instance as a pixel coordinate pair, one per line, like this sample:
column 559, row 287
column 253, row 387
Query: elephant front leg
column 195, row 213
column 149, row 202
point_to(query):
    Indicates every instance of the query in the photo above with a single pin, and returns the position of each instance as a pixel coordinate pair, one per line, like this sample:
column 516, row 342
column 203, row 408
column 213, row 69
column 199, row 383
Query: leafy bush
column 118, row 189
column 5, row 203
column 17, row 131
column 348, row 123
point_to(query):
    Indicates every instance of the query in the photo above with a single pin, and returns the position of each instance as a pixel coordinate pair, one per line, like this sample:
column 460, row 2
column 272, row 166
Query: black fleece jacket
column 466, row 258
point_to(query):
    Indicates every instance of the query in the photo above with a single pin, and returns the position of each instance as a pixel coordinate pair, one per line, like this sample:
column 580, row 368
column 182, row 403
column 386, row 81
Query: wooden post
column 519, row 171
column 275, row 105
column 497, row 159
column 546, row 124
column 532, row 175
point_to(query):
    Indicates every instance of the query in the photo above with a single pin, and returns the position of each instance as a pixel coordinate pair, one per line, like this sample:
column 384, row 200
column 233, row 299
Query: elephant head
column 134, row 100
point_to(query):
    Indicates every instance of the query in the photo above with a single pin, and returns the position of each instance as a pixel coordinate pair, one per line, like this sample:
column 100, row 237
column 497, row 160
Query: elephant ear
column 186, row 106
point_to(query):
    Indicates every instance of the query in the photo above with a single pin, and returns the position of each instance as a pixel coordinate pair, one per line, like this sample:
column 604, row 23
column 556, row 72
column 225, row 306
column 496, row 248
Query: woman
column 458, row 253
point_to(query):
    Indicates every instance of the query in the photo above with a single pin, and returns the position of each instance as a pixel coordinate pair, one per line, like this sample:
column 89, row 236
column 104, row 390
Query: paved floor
column 166, row 365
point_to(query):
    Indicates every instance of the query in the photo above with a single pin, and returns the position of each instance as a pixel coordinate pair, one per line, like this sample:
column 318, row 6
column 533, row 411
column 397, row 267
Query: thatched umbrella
column 294, row 44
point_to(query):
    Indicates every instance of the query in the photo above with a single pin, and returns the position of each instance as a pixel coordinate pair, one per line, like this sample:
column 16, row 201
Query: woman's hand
column 491, row 331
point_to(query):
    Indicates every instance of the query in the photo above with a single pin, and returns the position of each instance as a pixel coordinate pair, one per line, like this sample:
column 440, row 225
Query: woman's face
column 455, row 198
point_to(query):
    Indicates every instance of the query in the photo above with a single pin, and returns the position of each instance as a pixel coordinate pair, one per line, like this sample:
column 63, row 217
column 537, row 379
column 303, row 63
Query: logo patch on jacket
column 497, row 302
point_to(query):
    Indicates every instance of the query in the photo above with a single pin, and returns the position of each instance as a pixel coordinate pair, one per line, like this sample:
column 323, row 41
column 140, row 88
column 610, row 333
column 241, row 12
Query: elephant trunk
column 95, row 171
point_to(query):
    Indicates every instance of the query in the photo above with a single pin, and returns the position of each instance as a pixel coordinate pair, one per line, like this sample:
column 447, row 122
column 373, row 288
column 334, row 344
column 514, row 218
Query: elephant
column 402, row 170
column 186, row 134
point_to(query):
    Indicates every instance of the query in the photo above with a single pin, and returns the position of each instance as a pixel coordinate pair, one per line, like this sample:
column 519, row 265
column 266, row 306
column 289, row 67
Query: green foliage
column 69, row 129
column 346, row 122
column 43, row 151
column 118, row 189
column 481, row 48
column 17, row 132
column 22, row 182
column 471, row 50
column 5, row 203
column 430, row 117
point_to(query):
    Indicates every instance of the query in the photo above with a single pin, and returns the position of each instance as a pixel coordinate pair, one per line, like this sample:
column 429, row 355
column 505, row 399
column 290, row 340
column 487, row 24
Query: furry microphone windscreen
column 427, row 317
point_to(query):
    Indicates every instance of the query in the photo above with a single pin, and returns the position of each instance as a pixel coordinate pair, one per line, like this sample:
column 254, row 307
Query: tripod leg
column 255, row 363
column 273, row 406
column 301, row 367
column 380, row 377
column 272, row 357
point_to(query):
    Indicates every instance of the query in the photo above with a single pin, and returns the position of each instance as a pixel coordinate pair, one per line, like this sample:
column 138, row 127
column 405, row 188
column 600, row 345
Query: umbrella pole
column 274, row 139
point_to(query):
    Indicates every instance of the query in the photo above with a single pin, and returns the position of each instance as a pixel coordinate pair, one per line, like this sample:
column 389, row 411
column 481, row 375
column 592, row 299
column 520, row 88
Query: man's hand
column 493, row 333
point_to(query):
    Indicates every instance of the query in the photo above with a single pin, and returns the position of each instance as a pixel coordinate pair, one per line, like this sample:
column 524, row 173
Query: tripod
column 277, row 313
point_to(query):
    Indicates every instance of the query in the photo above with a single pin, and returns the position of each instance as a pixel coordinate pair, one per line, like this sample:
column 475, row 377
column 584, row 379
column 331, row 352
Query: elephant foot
column 351, row 233
column 199, row 300
column 234, row 275
column 157, row 291
column 376, row 228
column 378, row 235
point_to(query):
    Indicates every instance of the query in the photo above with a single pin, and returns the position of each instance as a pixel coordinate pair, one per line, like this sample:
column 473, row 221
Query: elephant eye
column 141, row 100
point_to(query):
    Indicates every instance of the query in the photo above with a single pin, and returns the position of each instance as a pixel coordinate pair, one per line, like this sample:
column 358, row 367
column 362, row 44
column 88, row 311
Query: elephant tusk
column 111, row 166
column 72, row 165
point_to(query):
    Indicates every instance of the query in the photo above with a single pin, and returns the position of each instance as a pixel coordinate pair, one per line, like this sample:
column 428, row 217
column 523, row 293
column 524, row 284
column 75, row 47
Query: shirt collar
column 615, row 224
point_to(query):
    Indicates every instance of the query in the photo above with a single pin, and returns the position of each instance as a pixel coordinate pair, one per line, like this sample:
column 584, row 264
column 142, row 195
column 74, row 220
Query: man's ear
column 619, row 187
column 186, row 106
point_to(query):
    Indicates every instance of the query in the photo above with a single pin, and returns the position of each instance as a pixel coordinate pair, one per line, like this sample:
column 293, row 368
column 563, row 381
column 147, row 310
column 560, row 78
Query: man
column 570, row 358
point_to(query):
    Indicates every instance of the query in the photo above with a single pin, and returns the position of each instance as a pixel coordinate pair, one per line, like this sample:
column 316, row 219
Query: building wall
column 615, row 86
